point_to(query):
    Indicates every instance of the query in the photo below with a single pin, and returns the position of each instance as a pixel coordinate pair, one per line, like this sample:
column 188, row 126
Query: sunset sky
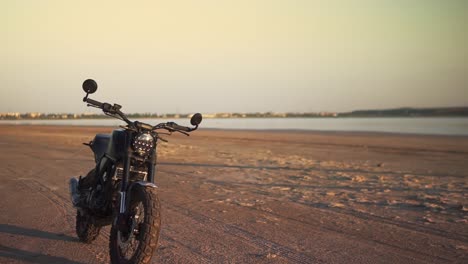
column 233, row 56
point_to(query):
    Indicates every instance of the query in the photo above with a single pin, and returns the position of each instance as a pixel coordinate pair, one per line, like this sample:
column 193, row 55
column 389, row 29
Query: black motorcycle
column 120, row 190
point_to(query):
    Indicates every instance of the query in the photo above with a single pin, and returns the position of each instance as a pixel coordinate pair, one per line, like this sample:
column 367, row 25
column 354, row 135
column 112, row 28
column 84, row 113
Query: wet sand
column 252, row 197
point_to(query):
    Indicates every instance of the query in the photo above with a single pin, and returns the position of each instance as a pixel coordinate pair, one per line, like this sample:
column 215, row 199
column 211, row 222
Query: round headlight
column 143, row 144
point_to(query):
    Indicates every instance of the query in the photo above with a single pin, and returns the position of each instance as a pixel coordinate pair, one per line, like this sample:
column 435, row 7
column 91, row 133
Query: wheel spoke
column 129, row 244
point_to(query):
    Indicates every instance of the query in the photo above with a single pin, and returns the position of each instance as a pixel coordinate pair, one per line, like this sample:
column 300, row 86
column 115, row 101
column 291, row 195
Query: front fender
column 132, row 185
column 140, row 183
column 121, row 221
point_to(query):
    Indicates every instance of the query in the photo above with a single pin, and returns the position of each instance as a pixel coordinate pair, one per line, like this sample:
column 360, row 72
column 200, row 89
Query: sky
column 233, row 56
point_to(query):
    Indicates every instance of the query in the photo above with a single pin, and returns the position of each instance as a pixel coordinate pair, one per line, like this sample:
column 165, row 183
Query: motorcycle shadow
column 24, row 231
column 33, row 257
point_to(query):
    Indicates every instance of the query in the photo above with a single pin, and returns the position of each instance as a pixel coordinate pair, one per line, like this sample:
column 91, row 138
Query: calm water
column 431, row 126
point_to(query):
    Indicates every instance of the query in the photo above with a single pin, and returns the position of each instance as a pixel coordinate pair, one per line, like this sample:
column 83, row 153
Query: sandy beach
column 252, row 197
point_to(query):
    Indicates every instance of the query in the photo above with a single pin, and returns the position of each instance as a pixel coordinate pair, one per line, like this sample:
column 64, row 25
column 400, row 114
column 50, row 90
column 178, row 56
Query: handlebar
column 143, row 125
column 114, row 110
column 108, row 109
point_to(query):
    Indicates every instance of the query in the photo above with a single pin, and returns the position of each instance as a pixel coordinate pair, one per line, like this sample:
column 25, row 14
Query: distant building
column 34, row 115
column 223, row 115
column 328, row 114
column 209, row 115
column 10, row 115
column 278, row 114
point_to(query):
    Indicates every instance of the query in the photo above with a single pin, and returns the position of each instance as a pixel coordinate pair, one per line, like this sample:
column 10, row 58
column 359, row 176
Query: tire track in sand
column 99, row 252
column 422, row 256
column 245, row 236
column 69, row 214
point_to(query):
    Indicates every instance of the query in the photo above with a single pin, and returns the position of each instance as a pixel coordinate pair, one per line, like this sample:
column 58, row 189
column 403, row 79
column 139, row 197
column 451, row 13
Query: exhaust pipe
column 75, row 195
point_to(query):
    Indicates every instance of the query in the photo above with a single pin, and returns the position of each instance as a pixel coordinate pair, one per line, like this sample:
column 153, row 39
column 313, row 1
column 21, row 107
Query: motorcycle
column 120, row 189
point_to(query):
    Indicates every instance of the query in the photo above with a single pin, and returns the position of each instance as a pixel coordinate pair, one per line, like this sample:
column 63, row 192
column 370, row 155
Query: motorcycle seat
column 99, row 145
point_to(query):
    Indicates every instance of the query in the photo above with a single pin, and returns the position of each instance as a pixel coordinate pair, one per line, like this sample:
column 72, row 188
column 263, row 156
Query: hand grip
column 94, row 102
column 177, row 127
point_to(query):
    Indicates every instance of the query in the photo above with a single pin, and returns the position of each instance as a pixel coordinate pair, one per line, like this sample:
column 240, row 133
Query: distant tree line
column 410, row 112
column 397, row 112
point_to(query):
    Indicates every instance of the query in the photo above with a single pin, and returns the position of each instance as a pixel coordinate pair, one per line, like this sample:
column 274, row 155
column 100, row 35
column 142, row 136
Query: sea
column 454, row 126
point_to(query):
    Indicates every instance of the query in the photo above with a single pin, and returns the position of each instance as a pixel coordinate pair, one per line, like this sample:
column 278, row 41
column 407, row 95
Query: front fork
column 123, row 214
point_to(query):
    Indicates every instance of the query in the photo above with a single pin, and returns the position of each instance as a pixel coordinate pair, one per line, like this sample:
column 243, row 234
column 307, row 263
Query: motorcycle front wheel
column 138, row 244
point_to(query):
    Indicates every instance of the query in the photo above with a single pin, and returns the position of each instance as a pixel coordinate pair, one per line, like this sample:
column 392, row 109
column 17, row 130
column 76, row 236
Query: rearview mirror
column 89, row 86
column 196, row 119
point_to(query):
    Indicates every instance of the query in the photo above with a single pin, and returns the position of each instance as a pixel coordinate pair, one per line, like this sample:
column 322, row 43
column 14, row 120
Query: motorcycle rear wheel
column 140, row 243
column 86, row 230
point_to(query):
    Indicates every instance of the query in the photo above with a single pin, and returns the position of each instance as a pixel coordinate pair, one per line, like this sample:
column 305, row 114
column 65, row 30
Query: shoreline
column 252, row 117
column 296, row 131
